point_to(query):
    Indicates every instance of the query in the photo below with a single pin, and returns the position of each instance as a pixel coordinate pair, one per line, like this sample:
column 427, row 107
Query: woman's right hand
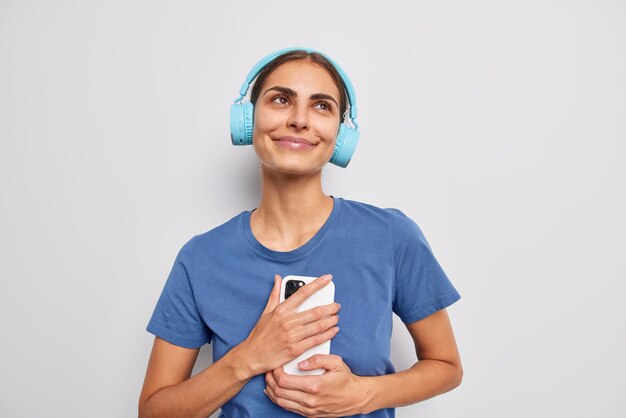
column 282, row 334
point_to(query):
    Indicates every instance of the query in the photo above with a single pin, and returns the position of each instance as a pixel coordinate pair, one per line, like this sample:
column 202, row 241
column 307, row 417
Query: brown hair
column 297, row 55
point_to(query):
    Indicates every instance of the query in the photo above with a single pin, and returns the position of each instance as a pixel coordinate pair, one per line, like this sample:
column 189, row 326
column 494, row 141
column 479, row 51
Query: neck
column 292, row 208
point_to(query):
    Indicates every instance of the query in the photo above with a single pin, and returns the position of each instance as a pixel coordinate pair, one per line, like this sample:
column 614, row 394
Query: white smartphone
column 324, row 296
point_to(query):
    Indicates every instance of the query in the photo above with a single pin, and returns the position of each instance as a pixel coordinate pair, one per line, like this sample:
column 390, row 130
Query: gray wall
column 496, row 125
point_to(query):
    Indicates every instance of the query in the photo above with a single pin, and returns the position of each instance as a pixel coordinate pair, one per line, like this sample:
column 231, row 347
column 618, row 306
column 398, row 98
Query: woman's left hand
column 338, row 392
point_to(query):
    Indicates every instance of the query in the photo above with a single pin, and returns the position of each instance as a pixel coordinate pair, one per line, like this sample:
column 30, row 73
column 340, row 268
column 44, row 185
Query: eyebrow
column 291, row 93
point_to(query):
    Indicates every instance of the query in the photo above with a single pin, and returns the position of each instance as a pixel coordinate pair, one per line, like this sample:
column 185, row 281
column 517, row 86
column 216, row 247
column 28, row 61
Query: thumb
column 321, row 361
column 274, row 298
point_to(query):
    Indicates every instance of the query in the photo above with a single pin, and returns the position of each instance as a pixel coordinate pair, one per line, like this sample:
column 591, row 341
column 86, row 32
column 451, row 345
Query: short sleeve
column 422, row 287
column 176, row 318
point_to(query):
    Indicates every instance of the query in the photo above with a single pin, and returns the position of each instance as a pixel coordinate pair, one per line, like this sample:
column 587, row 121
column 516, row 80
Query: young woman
column 225, row 283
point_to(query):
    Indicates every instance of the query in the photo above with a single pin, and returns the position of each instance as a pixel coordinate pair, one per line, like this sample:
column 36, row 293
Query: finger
column 275, row 391
column 274, row 298
column 270, row 394
column 267, row 377
column 316, row 313
column 293, row 398
column 287, row 398
column 270, row 382
column 288, row 382
column 322, row 361
column 316, row 339
column 293, row 406
column 315, row 328
column 270, row 386
column 307, row 290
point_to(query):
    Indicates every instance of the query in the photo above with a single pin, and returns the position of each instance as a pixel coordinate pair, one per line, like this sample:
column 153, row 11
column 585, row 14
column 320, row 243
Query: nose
column 299, row 118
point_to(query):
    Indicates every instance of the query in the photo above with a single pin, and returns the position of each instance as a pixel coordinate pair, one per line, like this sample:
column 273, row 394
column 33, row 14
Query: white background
column 497, row 126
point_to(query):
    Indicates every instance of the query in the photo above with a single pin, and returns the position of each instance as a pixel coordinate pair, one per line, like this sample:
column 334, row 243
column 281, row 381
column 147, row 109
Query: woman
column 220, row 288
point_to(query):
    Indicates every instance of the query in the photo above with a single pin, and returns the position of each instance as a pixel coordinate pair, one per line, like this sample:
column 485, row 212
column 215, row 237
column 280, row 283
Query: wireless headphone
column 242, row 114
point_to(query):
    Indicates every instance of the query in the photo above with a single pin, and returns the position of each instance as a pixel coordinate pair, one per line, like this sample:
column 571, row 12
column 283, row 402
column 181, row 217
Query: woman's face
column 298, row 101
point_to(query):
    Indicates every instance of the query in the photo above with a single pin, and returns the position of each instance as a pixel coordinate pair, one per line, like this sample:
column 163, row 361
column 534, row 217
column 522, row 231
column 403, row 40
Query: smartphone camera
column 292, row 287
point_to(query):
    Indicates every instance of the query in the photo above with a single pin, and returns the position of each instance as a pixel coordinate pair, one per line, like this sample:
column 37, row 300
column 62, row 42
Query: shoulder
column 389, row 215
column 404, row 230
column 221, row 234
column 366, row 210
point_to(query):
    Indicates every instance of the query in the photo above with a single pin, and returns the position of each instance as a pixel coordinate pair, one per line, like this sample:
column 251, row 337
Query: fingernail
column 327, row 277
column 303, row 363
column 265, row 391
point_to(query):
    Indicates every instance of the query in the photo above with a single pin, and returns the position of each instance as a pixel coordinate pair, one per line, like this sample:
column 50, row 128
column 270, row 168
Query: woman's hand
column 282, row 334
column 338, row 392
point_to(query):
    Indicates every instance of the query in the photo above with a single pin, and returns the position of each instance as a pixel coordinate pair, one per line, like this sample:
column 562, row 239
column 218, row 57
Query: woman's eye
column 280, row 100
column 325, row 105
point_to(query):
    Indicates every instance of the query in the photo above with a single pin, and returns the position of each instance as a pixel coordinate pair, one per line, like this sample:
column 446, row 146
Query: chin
column 297, row 166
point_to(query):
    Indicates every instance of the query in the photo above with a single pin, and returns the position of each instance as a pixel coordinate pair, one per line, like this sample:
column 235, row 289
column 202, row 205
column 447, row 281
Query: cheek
column 330, row 130
column 266, row 121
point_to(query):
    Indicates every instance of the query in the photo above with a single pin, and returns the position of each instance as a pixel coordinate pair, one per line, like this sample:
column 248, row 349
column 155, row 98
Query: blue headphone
column 242, row 114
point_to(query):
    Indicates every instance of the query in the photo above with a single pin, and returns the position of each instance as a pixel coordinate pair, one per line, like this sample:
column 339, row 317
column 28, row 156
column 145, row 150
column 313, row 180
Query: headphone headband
column 263, row 62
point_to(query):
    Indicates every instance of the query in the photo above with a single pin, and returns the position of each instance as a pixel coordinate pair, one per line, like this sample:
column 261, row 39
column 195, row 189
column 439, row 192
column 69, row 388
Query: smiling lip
column 295, row 139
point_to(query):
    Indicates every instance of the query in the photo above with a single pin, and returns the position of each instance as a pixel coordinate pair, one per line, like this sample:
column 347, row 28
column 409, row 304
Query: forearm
column 204, row 393
column 424, row 380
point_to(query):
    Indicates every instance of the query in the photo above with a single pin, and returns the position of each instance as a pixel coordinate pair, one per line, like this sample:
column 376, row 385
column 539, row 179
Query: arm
column 340, row 392
column 437, row 371
column 169, row 392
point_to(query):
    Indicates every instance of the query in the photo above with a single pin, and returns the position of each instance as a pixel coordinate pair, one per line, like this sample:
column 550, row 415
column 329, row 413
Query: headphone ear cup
column 347, row 139
column 241, row 123
column 248, row 121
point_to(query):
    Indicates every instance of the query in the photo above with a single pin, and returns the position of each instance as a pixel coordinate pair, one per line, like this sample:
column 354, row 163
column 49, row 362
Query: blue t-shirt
column 380, row 262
